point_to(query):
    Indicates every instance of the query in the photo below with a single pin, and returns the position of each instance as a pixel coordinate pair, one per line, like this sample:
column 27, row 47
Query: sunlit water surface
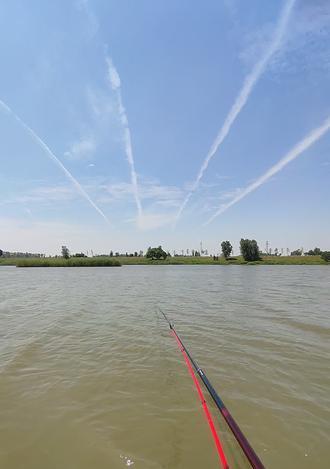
column 91, row 378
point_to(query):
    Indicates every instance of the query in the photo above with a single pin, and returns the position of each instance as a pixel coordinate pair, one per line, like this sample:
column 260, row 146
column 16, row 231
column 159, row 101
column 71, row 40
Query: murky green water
column 91, row 378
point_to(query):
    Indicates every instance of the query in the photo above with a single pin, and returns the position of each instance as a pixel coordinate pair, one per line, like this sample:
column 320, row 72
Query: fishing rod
column 207, row 413
column 237, row 432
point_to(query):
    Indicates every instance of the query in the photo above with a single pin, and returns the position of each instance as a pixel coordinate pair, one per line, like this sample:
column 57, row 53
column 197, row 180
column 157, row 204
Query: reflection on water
column 90, row 377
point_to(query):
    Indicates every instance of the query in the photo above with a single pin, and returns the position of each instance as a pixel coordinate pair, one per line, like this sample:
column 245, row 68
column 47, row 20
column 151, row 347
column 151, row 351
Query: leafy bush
column 156, row 253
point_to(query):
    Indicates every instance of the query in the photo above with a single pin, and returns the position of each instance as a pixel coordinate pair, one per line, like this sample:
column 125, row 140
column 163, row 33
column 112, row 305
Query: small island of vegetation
column 71, row 262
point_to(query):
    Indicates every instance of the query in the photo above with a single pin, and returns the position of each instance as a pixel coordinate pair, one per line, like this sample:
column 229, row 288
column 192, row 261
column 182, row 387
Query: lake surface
column 91, row 378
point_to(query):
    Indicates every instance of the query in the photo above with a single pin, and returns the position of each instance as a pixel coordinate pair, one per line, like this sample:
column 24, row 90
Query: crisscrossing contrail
column 54, row 158
column 115, row 83
column 296, row 151
column 243, row 96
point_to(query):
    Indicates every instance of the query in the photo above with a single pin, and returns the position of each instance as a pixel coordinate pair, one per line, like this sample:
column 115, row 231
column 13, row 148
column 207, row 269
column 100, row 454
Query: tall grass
column 72, row 262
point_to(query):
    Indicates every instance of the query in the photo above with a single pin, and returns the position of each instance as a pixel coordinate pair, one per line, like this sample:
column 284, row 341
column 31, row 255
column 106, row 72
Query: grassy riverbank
column 178, row 260
column 188, row 260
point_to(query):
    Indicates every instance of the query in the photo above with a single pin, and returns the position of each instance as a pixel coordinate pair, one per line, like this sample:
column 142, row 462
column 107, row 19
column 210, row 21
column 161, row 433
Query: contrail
column 248, row 86
column 296, row 151
column 54, row 158
column 115, row 83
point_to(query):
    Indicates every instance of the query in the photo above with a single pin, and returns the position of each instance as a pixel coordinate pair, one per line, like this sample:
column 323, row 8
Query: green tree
column 314, row 252
column 65, row 252
column 297, row 252
column 326, row 256
column 1, row 252
column 156, row 253
column 249, row 250
column 226, row 248
column 111, row 253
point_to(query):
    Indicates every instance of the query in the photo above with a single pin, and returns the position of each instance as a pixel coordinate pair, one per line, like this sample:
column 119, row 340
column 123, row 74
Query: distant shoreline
column 107, row 261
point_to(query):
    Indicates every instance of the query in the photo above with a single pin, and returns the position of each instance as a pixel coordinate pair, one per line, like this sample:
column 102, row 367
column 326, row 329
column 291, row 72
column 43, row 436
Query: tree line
column 250, row 251
column 19, row 254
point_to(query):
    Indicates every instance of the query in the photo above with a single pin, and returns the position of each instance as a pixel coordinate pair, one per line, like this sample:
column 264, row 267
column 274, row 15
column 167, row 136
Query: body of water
column 91, row 378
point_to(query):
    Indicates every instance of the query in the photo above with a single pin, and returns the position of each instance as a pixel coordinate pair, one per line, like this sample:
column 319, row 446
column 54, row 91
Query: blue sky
column 130, row 96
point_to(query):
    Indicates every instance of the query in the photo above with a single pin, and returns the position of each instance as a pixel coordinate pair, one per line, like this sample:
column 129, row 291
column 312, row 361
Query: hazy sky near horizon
column 118, row 103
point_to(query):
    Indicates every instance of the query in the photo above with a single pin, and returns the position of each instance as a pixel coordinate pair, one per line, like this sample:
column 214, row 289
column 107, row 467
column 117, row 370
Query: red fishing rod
column 237, row 432
column 208, row 415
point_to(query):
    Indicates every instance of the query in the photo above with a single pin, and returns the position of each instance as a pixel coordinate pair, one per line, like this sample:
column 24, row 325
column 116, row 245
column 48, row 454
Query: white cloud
column 152, row 221
column 101, row 104
column 230, row 194
column 150, row 191
column 307, row 40
column 81, row 149
column 113, row 76
column 160, row 201
column 43, row 194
